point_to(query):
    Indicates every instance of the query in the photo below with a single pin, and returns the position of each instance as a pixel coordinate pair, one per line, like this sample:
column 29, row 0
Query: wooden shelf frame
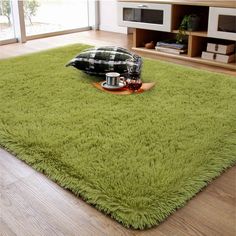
column 197, row 40
column 193, row 33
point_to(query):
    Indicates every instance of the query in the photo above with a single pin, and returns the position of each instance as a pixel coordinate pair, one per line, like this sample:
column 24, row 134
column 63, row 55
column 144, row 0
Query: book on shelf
column 171, row 50
column 172, row 44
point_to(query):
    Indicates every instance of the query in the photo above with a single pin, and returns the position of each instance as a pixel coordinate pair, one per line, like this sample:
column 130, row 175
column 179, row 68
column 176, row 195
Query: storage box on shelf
column 224, row 53
column 218, row 57
column 227, row 48
column 146, row 31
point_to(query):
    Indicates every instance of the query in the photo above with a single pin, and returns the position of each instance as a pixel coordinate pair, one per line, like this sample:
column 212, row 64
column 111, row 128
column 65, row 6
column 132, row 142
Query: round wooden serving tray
column 125, row 91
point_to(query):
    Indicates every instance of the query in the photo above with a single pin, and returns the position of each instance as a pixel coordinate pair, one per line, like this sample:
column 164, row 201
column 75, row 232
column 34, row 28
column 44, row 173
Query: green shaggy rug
column 137, row 158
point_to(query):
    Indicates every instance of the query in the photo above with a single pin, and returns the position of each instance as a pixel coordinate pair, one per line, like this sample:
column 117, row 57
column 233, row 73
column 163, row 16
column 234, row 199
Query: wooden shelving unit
column 197, row 41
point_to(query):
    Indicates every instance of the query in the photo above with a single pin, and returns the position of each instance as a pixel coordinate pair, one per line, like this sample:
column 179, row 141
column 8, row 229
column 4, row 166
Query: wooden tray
column 125, row 91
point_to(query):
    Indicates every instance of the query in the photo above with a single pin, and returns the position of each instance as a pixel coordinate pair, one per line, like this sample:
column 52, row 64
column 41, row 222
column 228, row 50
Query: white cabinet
column 145, row 15
column 222, row 23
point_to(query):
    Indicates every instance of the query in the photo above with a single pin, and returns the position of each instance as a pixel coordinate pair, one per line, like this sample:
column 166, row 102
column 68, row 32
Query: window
column 27, row 19
column 6, row 20
column 51, row 16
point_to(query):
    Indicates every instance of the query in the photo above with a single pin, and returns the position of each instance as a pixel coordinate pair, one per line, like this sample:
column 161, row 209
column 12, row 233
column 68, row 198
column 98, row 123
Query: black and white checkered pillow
column 98, row 61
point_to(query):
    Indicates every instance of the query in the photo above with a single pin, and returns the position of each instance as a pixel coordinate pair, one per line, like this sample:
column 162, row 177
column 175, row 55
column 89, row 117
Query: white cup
column 113, row 79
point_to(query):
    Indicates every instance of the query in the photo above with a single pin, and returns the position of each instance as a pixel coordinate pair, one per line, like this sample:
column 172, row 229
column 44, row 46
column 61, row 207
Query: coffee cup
column 113, row 79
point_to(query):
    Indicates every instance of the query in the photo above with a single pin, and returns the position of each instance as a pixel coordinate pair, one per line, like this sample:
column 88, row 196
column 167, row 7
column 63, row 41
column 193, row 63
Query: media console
column 156, row 20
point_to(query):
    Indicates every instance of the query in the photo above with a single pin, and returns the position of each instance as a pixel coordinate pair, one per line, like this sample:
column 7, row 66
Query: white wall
column 108, row 17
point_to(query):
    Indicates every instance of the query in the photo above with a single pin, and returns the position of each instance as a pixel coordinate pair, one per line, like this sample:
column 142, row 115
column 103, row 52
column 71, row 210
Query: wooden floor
column 31, row 204
column 98, row 38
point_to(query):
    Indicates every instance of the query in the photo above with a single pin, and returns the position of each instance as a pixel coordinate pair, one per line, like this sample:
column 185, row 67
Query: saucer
column 109, row 87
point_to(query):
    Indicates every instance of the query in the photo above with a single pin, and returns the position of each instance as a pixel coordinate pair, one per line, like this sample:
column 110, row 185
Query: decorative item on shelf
column 193, row 22
column 134, row 68
column 150, row 45
column 190, row 23
column 181, row 36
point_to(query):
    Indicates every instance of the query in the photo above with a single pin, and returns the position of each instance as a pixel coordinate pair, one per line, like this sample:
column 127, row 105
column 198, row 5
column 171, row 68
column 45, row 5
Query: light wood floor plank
column 97, row 38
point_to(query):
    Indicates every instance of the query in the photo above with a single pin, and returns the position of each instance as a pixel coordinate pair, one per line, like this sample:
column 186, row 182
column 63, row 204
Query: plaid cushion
column 98, row 61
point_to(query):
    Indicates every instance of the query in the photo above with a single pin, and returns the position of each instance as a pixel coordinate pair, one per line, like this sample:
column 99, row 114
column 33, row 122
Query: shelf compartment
column 142, row 36
column 179, row 11
column 196, row 45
